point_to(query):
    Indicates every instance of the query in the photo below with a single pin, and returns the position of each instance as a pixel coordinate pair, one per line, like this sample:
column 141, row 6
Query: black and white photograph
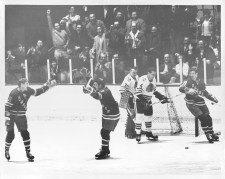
column 122, row 89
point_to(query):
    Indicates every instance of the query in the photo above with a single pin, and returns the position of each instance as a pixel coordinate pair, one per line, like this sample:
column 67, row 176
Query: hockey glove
column 87, row 90
column 165, row 100
column 50, row 83
column 210, row 96
column 213, row 99
column 7, row 121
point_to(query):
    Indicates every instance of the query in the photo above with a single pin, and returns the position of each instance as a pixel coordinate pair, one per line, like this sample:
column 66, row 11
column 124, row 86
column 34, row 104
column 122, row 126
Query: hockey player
column 129, row 84
column 195, row 89
column 15, row 113
column 145, row 90
column 110, row 112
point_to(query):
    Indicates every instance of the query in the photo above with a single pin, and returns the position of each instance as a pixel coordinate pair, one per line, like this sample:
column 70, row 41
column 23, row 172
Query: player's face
column 133, row 73
column 193, row 75
column 151, row 75
column 96, row 86
column 24, row 86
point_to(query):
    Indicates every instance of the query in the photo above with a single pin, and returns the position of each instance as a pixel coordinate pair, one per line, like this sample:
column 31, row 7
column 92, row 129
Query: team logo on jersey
column 150, row 87
column 24, row 95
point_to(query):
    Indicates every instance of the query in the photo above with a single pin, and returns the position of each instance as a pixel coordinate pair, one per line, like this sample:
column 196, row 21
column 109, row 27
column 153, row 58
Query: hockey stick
column 168, row 98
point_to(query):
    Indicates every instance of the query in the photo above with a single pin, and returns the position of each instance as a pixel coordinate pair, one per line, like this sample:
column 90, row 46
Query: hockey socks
column 104, row 152
column 206, row 124
column 8, row 141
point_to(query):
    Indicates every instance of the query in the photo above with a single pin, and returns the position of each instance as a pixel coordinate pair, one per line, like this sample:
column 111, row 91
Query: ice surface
column 65, row 136
column 66, row 149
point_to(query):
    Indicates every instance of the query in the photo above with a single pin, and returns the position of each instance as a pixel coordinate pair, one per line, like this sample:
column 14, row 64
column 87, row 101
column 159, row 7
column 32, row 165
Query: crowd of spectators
column 172, row 34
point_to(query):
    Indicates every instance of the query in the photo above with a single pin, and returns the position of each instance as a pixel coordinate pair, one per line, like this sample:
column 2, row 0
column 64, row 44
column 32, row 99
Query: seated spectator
column 120, row 71
column 71, row 19
column 185, row 67
column 134, row 18
column 79, row 38
column 166, row 71
column 116, row 36
column 16, row 64
column 153, row 44
column 54, row 71
column 78, row 41
column 60, row 41
column 37, row 62
column 134, row 42
column 108, row 15
column 93, row 25
column 100, row 44
column 84, row 58
column 216, row 45
column 175, row 19
column 207, row 27
column 204, row 52
column 120, row 18
column 187, row 51
column 81, row 76
column 102, row 69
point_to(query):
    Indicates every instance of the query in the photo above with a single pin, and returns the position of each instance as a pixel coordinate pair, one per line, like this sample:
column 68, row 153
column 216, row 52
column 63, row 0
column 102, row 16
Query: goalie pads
column 125, row 99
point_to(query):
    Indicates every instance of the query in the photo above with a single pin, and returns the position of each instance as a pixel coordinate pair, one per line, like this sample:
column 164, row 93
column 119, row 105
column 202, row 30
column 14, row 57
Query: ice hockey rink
column 65, row 125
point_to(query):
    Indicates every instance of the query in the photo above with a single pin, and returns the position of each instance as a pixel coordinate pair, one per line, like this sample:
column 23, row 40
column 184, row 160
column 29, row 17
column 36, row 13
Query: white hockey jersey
column 145, row 87
column 129, row 83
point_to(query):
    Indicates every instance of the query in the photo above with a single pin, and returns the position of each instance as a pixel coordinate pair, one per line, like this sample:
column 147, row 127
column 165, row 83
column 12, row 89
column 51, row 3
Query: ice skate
column 209, row 138
column 215, row 137
column 29, row 156
column 130, row 136
column 103, row 154
column 138, row 137
column 7, row 156
column 150, row 136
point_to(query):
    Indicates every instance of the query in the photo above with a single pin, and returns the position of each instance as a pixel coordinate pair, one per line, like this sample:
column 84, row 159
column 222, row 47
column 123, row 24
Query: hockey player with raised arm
column 15, row 113
column 195, row 91
column 146, row 88
column 129, row 84
column 110, row 112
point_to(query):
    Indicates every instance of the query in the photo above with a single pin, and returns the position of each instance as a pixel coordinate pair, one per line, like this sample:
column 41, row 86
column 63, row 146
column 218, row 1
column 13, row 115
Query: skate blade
column 151, row 139
column 102, row 158
column 30, row 160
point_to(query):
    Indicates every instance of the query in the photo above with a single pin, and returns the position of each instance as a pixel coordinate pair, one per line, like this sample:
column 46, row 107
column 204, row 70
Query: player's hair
column 133, row 67
column 22, row 81
column 151, row 69
column 99, row 81
column 194, row 68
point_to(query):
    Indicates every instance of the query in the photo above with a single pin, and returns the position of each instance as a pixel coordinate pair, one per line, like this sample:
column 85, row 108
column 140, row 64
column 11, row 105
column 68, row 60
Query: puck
column 186, row 147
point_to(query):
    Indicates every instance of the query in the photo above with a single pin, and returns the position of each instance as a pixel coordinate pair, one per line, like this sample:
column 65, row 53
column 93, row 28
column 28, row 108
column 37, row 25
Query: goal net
column 174, row 117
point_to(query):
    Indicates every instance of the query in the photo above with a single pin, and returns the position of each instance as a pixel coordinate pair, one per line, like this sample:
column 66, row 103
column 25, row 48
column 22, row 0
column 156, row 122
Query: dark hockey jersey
column 110, row 108
column 17, row 100
column 199, row 86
